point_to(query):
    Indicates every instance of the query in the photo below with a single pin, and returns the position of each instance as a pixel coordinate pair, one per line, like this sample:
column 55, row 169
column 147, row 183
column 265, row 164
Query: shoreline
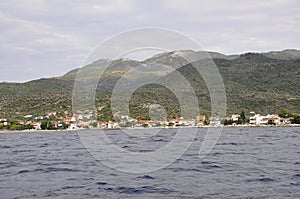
column 141, row 128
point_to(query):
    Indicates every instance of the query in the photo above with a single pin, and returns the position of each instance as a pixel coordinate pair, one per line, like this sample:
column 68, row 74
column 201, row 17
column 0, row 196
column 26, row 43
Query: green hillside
column 261, row 82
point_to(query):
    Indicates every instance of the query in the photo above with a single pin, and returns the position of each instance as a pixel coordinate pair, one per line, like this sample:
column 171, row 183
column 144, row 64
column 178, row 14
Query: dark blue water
column 246, row 163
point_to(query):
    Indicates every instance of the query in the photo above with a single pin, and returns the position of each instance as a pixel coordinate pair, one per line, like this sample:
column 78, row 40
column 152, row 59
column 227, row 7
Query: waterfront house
column 201, row 120
column 112, row 125
column 235, row 117
column 215, row 121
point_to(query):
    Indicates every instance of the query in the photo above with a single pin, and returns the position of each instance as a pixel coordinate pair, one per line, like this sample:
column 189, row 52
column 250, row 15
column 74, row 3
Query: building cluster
column 127, row 122
column 52, row 119
column 273, row 119
column 85, row 121
column 88, row 121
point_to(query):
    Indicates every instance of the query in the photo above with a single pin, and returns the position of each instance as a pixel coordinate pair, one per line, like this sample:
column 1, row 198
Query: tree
column 94, row 124
column 227, row 122
column 44, row 124
column 47, row 125
column 285, row 113
column 50, row 126
column 296, row 120
column 243, row 117
column 16, row 127
column 206, row 122
column 28, row 126
column 65, row 126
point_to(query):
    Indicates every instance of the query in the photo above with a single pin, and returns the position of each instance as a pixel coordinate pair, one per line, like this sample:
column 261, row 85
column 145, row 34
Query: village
column 55, row 121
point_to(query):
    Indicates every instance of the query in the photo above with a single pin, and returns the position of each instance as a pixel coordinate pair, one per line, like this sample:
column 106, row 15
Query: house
column 72, row 126
column 141, row 123
column 3, row 121
column 270, row 119
column 201, row 119
column 215, row 121
column 112, row 125
column 55, row 124
column 258, row 119
column 284, row 121
column 36, row 125
column 80, row 117
column 51, row 113
column 164, row 123
column 188, row 122
column 73, row 119
column 235, row 117
column 39, row 118
column 60, row 125
column 254, row 119
column 124, row 117
column 102, row 125
column 178, row 122
column 27, row 116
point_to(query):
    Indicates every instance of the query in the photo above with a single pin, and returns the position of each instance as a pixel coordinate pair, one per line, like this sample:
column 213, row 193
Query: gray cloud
column 47, row 38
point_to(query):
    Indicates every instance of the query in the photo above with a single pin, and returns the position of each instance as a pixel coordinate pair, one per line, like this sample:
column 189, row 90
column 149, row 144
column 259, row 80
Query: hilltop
column 261, row 82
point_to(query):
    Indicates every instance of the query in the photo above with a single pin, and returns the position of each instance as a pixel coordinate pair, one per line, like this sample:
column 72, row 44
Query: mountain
column 260, row 82
column 285, row 54
column 179, row 58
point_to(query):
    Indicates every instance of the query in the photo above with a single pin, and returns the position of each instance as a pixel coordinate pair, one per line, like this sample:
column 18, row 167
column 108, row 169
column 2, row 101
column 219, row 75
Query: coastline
column 136, row 128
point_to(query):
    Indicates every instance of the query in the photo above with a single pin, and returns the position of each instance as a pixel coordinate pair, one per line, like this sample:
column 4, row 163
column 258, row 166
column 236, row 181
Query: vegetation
column 296, row 120
column 264, row 83
column 14, row 125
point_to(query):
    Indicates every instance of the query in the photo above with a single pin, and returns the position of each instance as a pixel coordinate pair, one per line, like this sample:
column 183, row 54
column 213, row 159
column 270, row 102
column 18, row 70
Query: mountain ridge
column 262, row 82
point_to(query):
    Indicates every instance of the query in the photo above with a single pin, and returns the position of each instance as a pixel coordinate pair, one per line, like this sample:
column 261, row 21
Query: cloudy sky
column 44, row 38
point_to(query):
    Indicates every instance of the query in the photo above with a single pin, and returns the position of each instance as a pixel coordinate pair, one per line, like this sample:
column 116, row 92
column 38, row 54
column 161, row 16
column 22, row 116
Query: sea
column 262, row 162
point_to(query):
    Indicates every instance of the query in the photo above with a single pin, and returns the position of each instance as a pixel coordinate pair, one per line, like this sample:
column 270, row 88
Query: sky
column 46, row 38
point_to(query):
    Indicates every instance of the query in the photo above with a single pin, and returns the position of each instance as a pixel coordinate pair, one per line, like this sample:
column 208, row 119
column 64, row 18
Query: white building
column 235, row 117
column 37, row 125
column 258, row 119
column 112, row 125
column 72, row 127
column 215, row 121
